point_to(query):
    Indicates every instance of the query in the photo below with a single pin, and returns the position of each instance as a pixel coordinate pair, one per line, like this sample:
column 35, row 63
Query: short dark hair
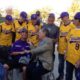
column 46, row 31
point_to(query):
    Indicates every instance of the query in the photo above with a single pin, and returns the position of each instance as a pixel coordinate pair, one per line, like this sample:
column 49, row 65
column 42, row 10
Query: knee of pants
column 6, row 66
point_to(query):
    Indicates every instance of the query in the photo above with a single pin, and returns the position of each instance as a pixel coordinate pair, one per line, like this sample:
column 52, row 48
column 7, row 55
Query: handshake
column 24, row 52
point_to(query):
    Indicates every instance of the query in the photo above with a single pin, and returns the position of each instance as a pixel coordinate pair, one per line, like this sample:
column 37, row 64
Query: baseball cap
column 23, row 14
column 52, row 15
column 33, row 17
column 23, row 30
column 9, row 17
column 64, row 14
column 77, row 15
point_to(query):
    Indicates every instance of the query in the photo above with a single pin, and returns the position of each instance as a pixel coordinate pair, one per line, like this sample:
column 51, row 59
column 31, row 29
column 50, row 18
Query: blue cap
column 77, row 15
column 64, row 14
column 52, row 15
column 23, row 15
column 33, row 17
column 23, row 30
column 9, row 18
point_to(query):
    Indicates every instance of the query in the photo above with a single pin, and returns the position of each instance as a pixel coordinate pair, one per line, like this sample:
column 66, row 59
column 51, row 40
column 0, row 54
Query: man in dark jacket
column 53, row 30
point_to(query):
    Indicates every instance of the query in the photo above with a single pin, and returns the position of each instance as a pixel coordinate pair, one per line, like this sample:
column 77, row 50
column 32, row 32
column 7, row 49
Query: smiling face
column 24, row 35
column 65, row 19
column 8, row 22
column 34, row 21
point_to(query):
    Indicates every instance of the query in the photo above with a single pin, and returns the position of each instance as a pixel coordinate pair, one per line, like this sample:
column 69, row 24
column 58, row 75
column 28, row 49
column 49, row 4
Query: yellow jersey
column 18, row 27
column 32, row 34
column 62, row 37
column 6, row 34
column 73, row 46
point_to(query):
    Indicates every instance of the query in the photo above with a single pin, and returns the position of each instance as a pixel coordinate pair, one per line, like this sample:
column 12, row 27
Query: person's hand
column 27, row 51
column 30, row 43
column 77, row 65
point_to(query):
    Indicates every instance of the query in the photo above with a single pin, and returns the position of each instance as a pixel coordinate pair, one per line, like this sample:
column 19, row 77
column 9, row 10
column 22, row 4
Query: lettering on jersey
column 77, row 45
column 74, row 39
column 63, row 34
column 6, row 31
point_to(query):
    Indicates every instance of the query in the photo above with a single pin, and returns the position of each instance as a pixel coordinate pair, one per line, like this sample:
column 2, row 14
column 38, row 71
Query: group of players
column 66, row 36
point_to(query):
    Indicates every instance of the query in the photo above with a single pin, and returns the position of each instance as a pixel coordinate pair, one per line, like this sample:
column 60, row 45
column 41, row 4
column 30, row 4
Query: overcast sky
column 29, row 5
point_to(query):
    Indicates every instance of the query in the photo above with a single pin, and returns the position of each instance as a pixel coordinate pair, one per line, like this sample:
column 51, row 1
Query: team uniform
column 33, row 29
column 6, row 36
column 32, row 34
column 73, row 48
column 64, row 30
column 18, row 26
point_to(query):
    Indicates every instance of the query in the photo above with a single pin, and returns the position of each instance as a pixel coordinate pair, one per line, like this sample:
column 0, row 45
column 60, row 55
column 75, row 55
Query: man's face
column 21, row 19
column 76, row 22
column 51, row 20
column 41, row 35
column 24, row 35
column 8, row 22
column 64, row 19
